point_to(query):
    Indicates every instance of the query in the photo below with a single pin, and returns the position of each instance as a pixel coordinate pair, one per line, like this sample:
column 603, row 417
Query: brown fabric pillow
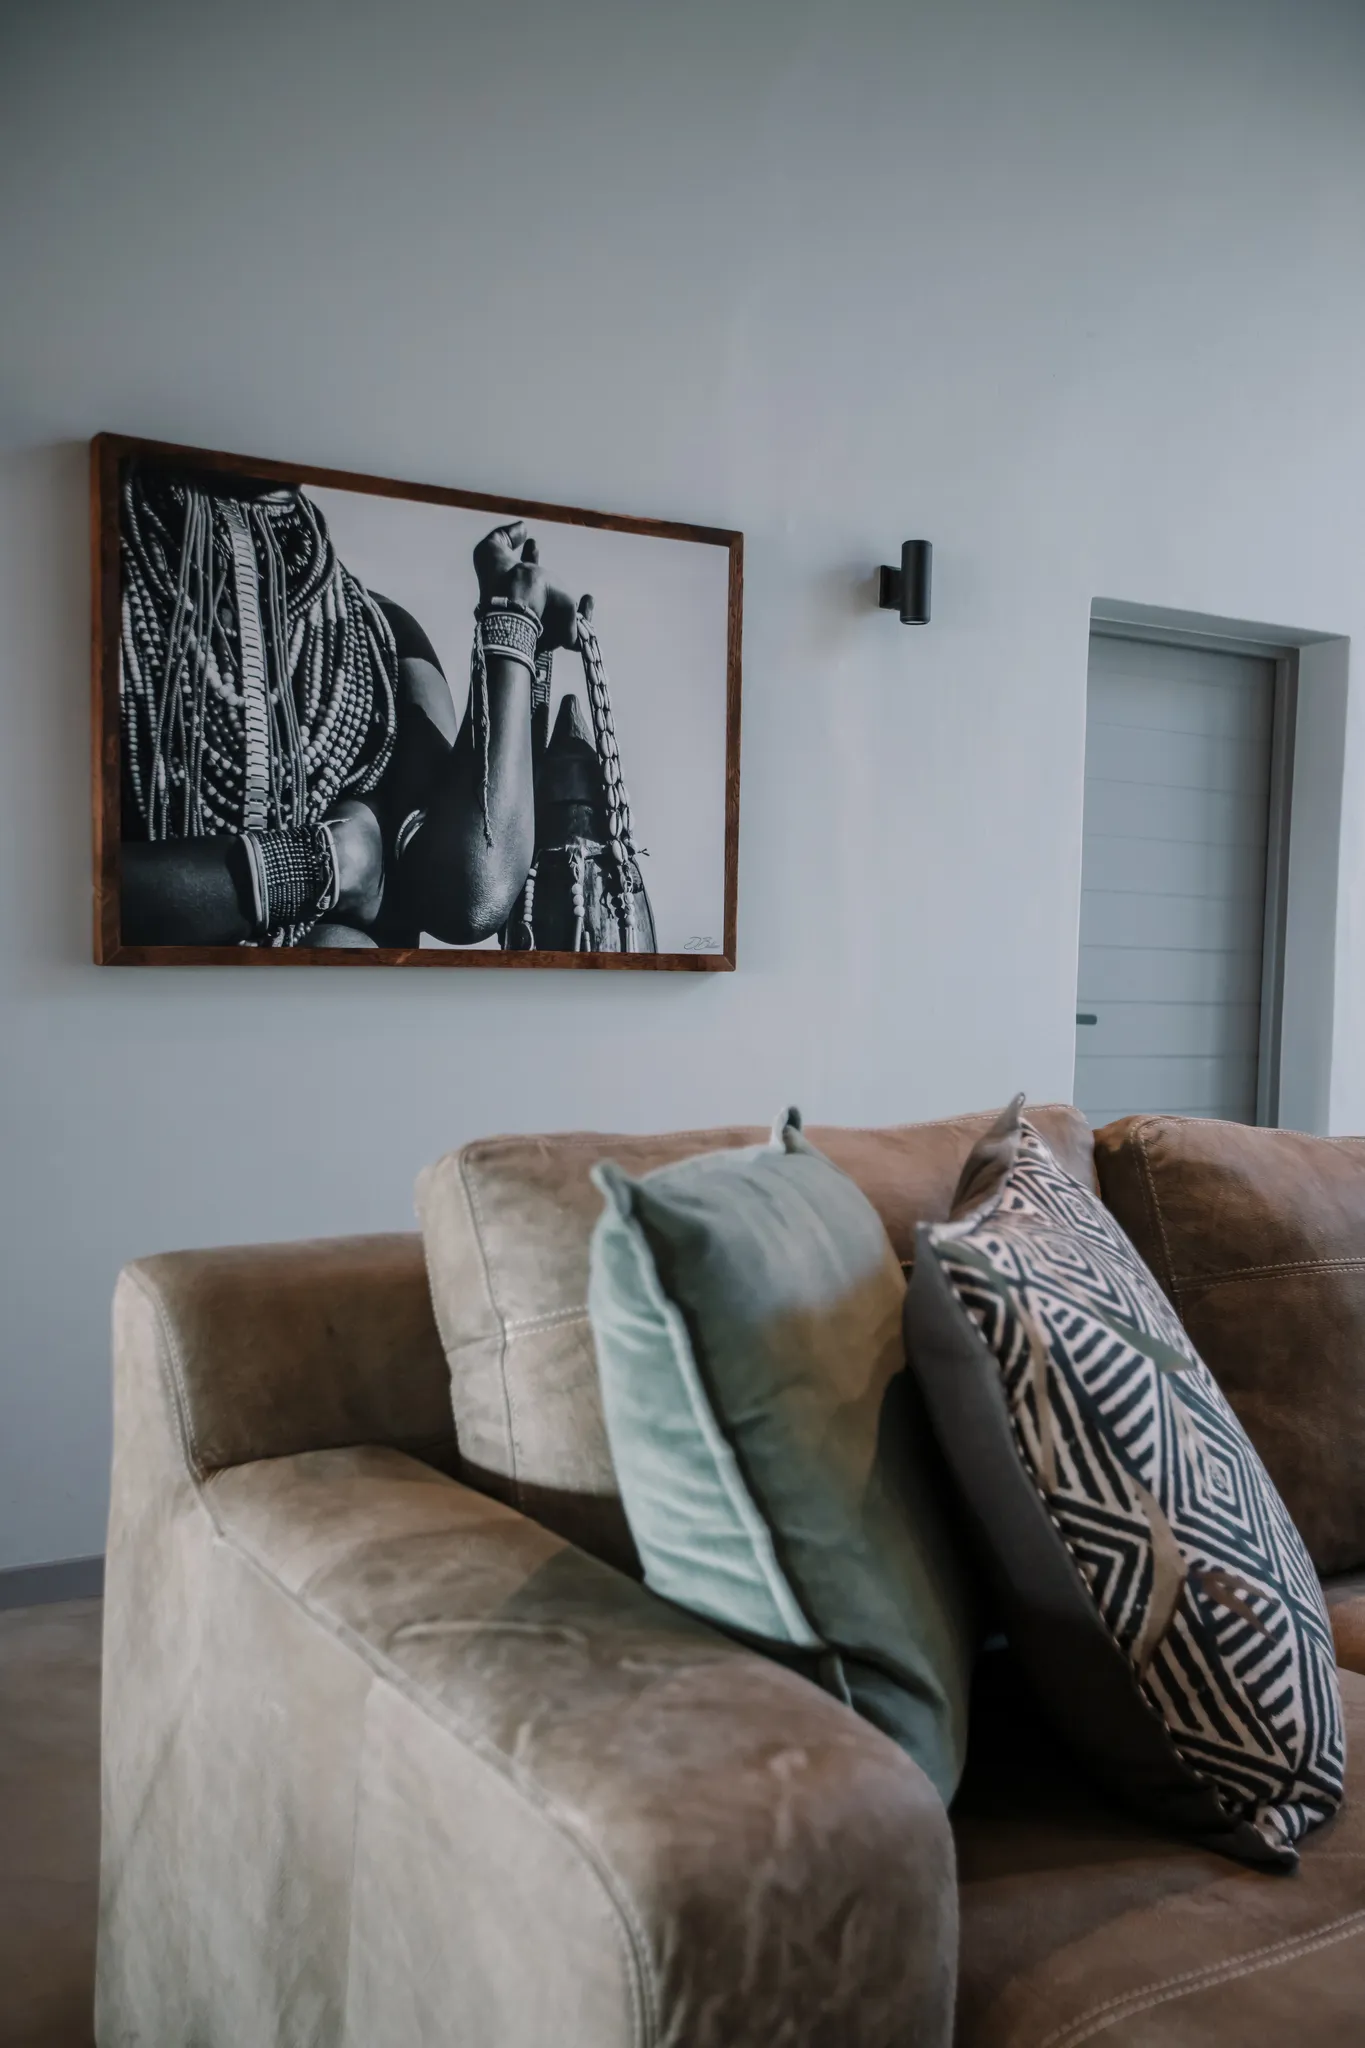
column 1258, row 1239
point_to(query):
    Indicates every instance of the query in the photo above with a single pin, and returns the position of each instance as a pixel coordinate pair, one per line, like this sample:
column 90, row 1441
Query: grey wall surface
column 1074, row 287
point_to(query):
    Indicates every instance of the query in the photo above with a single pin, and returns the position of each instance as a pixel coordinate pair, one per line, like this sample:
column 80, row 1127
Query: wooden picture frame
column 706, row 951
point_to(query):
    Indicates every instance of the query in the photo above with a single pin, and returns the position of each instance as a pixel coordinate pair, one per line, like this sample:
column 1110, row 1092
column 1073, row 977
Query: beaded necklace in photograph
column 259, row 677
column 618, row 857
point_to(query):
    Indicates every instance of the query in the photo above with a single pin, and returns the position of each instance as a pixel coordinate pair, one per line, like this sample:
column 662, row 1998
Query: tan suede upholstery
column 1346, row 1612
column 507, row 1223
column 384, row 1762
column 273, row 1348
column 387, row 1762
column 1258, row 1237
column 1079, row 1925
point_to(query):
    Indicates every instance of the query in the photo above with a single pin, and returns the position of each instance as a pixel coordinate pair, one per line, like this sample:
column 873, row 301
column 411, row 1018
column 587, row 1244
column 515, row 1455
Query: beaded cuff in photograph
column 294, row 877
column 508, row 629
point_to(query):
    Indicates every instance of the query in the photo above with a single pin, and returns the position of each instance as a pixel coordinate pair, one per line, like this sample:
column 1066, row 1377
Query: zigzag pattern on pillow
column 1174, row 1523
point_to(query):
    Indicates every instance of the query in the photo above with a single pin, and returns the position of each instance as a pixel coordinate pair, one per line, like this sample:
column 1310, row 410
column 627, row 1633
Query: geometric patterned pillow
column 1154, row 1587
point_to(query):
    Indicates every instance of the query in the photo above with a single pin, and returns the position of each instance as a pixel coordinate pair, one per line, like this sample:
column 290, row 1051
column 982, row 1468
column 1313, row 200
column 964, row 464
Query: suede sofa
column 399, row 1753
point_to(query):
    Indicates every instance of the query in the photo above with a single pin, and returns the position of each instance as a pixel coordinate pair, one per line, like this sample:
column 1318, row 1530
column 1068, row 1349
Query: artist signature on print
column 700, row 945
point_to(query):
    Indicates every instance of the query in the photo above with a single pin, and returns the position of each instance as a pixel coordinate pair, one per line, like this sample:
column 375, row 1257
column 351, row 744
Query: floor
column 49, row 1823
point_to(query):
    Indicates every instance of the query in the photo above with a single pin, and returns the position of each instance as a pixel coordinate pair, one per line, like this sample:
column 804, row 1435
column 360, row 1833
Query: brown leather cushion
column 1079, row 1925
column 507, row 1223
column 1258, row 1237
column 1346, row 1612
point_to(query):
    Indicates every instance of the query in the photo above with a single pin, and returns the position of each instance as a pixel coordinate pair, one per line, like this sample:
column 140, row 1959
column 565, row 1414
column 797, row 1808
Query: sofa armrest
column 265, row 1350
column 384, row 1760
column 581, row 1815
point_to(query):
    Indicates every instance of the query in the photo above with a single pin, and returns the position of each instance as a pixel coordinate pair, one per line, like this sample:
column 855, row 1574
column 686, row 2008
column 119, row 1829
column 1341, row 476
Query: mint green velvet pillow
column 774, row 1463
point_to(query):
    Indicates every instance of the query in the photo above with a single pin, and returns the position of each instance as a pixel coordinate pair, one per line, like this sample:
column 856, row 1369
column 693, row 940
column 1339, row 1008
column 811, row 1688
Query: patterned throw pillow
column 1152, row 1583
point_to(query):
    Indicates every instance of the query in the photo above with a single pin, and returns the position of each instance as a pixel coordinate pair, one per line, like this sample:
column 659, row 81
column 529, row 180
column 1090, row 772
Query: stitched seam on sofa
column 1199, row 1281
column 1212, row 1974
column 634, row 1942
column 1154, row 1205
column 170, row 1354
column 548, row 1321
column 490, row 1147
column 1227, row 1123
column 476, row 1218
column 346, row 1998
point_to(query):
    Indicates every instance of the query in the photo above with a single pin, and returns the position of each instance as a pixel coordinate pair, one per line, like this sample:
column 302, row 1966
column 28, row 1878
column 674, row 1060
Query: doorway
column 1187, row 775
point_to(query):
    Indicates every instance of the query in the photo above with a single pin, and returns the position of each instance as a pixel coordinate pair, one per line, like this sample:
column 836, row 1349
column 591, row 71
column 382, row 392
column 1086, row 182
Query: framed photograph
column 344, row 721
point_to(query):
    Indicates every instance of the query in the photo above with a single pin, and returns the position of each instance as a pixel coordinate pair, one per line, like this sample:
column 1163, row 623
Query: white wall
column 1074, row 287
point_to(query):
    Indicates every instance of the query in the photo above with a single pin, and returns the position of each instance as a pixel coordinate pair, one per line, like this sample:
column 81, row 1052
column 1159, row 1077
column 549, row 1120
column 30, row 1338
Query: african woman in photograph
column 296, row 773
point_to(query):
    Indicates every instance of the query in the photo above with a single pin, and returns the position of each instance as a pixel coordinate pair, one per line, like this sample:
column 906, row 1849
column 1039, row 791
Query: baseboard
column 38, row 1585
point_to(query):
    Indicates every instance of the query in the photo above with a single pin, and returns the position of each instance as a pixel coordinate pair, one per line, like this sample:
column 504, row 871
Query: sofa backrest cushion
column 1258, row 1239
column 507, row 1224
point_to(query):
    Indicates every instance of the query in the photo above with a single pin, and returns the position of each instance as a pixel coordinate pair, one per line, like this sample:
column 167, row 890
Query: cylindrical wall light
column 906, row 590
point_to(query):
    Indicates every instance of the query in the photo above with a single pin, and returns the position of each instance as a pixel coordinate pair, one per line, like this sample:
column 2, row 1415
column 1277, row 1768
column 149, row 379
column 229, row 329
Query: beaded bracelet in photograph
column 293, row 873
column 509, row 629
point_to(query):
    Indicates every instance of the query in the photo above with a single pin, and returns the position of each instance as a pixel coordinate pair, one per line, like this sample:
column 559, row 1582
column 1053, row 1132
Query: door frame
column 1122, row 624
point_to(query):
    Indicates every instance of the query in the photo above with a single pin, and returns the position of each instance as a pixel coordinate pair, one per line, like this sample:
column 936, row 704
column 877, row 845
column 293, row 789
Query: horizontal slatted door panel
column 1177, row 797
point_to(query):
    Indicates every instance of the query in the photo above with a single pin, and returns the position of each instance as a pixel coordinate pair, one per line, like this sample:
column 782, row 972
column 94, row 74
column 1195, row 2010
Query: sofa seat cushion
column 1258, row 1238
column 1346, row 1612
column 507, row 1224
column 1080, row 1924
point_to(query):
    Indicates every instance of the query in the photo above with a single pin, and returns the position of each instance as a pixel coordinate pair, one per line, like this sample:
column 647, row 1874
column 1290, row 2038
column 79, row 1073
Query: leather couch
column 399, row 1753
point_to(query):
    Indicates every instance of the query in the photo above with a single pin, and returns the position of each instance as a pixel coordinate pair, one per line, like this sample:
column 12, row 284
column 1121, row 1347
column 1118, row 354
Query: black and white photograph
column 344, row 720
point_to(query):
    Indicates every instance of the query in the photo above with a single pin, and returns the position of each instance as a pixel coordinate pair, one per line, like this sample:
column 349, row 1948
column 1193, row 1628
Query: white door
column 1178, row 761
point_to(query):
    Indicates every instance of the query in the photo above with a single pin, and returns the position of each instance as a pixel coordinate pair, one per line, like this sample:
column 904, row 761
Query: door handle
column 1086, row 1017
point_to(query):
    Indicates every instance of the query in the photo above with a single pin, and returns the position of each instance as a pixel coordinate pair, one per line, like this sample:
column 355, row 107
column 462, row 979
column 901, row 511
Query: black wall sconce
column 906, row 590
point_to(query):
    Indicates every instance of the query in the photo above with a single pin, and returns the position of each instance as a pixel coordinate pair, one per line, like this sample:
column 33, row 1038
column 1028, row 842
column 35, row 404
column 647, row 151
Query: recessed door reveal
column 1178, row 780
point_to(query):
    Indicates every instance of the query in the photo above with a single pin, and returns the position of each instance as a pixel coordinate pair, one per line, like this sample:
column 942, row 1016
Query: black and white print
column 349, row 720
column 1188, row 1552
